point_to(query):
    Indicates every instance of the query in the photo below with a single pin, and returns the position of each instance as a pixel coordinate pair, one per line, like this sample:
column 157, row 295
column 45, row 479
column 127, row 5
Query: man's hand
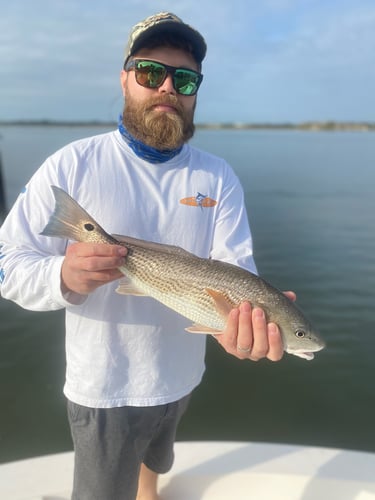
column 89, row 265
column 248, row 335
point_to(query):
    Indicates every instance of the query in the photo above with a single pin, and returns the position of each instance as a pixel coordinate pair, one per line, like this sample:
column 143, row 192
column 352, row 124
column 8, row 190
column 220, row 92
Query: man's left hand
column 248, row 335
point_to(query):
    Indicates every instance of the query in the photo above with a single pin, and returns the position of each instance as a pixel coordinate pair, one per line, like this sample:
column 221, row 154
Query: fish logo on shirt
column 201, row 200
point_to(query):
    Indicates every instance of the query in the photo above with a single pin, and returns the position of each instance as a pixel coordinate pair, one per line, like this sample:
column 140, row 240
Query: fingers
column 291, row 295
column 87, row 266
column 97, row 250
column 276, row 348
column 261, row 344
column 244, row 341
column 248, row 335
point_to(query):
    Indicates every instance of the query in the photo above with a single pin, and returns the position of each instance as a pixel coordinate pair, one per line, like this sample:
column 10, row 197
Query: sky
column 268, row 61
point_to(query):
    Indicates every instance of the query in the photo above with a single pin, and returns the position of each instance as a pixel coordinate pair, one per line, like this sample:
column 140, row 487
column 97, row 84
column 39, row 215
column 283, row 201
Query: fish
column 201, row 200
column 202, row 290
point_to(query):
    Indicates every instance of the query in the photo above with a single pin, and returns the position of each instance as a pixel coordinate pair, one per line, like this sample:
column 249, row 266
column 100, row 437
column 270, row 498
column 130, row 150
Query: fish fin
column 126, row 287
column 152, row 245
column 222, row 304
column 202, row 329
column 69, row 220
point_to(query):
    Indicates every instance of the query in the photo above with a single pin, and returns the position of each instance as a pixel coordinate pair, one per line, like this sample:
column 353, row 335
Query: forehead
column 168, row 55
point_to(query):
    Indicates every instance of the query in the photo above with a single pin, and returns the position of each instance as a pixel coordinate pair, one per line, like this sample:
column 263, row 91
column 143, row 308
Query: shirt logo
column 201, row 200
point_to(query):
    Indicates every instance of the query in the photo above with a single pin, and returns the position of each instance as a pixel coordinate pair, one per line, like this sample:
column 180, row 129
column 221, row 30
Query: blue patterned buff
column 147, row 152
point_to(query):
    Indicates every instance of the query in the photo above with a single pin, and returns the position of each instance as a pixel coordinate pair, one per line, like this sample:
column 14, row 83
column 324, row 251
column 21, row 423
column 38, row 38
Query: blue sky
column 268, row 60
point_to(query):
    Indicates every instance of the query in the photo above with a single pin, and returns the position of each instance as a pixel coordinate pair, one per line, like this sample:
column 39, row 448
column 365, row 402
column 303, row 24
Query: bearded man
column 131, row 366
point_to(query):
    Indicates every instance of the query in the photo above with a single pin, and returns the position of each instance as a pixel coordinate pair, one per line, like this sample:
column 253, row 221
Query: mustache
column 169, row 100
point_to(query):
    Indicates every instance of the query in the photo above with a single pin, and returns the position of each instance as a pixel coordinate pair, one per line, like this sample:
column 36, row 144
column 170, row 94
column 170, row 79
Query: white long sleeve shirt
column 124, row 350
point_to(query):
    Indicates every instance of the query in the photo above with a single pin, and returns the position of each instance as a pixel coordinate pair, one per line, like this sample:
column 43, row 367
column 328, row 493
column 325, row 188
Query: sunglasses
column 152, row 74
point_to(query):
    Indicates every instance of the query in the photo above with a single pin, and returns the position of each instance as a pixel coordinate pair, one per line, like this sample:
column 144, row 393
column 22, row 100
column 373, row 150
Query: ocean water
column 311, row 206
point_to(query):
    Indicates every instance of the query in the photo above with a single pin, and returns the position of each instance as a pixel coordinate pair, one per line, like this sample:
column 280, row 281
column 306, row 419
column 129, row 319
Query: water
column 311, row 205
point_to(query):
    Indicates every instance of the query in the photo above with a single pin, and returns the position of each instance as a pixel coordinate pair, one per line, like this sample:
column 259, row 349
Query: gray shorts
column 111, row 444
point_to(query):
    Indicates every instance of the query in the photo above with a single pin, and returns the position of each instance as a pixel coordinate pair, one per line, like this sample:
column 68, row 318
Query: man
column 130, row 364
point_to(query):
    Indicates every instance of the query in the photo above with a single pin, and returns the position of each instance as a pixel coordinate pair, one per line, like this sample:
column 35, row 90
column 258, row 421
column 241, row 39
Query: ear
column 123, row 80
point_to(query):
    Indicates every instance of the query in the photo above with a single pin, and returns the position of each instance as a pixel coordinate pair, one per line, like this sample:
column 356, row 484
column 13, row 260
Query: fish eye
column 300, row 334
column 89, row 227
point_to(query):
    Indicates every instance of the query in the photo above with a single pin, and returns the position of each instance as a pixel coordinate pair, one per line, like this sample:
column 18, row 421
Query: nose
column 167, row 85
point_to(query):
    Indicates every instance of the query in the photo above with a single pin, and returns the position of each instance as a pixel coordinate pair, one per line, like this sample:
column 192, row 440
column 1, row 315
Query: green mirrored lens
column 185, row 81
column 150, row 74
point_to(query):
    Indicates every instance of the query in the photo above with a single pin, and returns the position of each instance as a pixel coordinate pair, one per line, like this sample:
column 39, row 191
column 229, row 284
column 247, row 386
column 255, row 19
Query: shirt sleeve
column 30, row 264
column 232, row 239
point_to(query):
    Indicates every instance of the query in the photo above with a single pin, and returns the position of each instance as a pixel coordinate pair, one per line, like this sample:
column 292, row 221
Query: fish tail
column 69, row 220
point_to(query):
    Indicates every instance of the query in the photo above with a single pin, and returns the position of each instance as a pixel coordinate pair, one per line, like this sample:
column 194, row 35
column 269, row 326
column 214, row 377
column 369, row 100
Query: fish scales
column 182, row 285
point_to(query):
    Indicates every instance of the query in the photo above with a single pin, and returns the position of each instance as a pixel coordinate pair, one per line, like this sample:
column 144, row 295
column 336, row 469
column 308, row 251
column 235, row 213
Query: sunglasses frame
column 169, row 70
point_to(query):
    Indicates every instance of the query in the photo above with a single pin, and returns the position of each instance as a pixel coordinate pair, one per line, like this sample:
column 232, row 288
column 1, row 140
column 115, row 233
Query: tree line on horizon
column 307, row 125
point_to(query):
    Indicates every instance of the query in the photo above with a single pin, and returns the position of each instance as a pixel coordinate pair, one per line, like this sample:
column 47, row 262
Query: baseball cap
column 165, row 22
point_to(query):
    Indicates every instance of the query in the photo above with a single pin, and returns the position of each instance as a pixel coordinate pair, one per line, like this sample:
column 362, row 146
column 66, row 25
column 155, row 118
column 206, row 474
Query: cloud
column 317, row 66
column 271, row 60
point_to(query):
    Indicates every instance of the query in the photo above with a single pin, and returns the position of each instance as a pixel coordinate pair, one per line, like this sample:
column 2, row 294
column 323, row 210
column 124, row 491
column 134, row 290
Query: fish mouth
column 309, row 355
column 303, row 354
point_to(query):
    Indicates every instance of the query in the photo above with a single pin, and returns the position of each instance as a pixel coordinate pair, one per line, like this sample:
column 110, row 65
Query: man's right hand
column 89, row 265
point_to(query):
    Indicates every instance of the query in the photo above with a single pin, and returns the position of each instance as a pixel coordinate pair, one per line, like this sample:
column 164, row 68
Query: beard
column 160, row 130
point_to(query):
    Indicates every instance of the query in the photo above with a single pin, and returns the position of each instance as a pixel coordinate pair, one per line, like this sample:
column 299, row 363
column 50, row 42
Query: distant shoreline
column 303, row 126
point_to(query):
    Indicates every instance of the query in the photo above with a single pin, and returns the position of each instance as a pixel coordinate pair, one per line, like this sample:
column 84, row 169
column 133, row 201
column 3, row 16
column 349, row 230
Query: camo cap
column 165, row 22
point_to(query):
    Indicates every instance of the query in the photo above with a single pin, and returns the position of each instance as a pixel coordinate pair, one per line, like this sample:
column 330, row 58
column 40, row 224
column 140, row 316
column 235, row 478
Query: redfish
column 202, row 290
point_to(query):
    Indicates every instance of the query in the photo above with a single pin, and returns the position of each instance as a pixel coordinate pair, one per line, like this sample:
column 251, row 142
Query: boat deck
column 219, row 471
